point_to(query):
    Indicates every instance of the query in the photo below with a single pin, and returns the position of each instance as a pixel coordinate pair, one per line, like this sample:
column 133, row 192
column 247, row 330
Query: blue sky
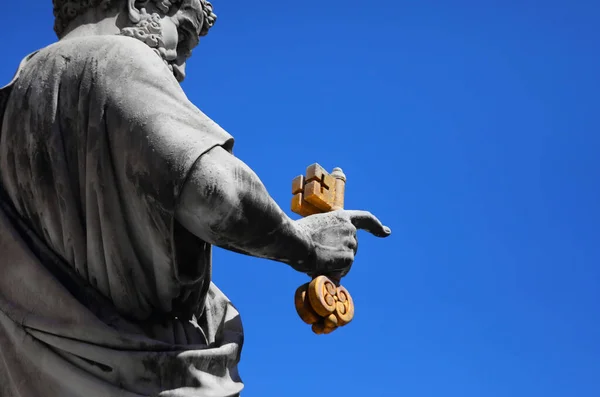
column 471, row 129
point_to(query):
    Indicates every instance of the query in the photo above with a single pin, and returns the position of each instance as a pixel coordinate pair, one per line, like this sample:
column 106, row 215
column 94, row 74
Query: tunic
column 102, row 292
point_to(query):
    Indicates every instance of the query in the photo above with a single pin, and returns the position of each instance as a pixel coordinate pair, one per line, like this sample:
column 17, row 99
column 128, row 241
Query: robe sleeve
column 158, row 131
column 155, row 135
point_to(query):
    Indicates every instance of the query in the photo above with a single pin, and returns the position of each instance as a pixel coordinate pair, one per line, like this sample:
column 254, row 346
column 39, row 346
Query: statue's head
column 172, row 28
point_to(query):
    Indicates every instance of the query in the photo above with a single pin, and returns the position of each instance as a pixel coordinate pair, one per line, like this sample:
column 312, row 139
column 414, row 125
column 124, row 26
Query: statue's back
column 90, row 176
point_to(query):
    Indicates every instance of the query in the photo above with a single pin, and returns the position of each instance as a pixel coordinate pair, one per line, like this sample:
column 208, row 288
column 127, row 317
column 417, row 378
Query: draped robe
column 102, row 292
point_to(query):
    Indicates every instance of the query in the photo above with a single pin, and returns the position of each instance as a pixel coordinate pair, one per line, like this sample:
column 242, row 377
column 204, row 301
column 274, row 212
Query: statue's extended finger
column 366, row 221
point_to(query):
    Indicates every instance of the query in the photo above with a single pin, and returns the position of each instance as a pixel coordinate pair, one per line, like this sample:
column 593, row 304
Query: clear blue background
column 471, row 129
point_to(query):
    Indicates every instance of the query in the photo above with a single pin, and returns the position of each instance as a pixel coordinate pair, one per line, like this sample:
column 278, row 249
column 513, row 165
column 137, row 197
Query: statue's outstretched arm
column 224, row 203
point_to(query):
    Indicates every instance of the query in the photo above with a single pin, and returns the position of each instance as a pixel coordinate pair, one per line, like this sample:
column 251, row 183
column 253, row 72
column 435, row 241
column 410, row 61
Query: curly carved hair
column 65, row 11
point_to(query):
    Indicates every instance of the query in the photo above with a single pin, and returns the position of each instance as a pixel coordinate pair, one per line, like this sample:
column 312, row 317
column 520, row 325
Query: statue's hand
column 333, row 240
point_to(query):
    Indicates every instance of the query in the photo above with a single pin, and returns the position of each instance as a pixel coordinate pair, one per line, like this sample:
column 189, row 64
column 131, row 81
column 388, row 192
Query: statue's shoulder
column 103, row 55
column 100, row 46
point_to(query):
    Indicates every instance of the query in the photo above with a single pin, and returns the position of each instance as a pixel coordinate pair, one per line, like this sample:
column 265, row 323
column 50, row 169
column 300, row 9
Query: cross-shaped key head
column 316, row 192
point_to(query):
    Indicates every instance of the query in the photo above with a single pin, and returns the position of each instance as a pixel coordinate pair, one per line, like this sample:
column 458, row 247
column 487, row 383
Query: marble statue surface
column 113, row 189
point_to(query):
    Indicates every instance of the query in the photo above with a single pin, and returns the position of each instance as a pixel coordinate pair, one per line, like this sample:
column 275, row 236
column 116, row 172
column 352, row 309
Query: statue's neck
column 92, row 24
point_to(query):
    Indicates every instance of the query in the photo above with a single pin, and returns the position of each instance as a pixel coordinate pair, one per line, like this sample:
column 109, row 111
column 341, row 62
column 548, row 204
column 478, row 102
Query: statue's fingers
column 352, row 244
column 366, row 221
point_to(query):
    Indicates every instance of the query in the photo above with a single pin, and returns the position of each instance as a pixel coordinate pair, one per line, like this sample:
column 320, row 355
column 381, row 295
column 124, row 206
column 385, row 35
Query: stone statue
column 113, row 188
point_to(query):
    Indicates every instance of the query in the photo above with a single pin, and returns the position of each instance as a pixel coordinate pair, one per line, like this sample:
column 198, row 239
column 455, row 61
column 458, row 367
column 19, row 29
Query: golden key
column 321, row 303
